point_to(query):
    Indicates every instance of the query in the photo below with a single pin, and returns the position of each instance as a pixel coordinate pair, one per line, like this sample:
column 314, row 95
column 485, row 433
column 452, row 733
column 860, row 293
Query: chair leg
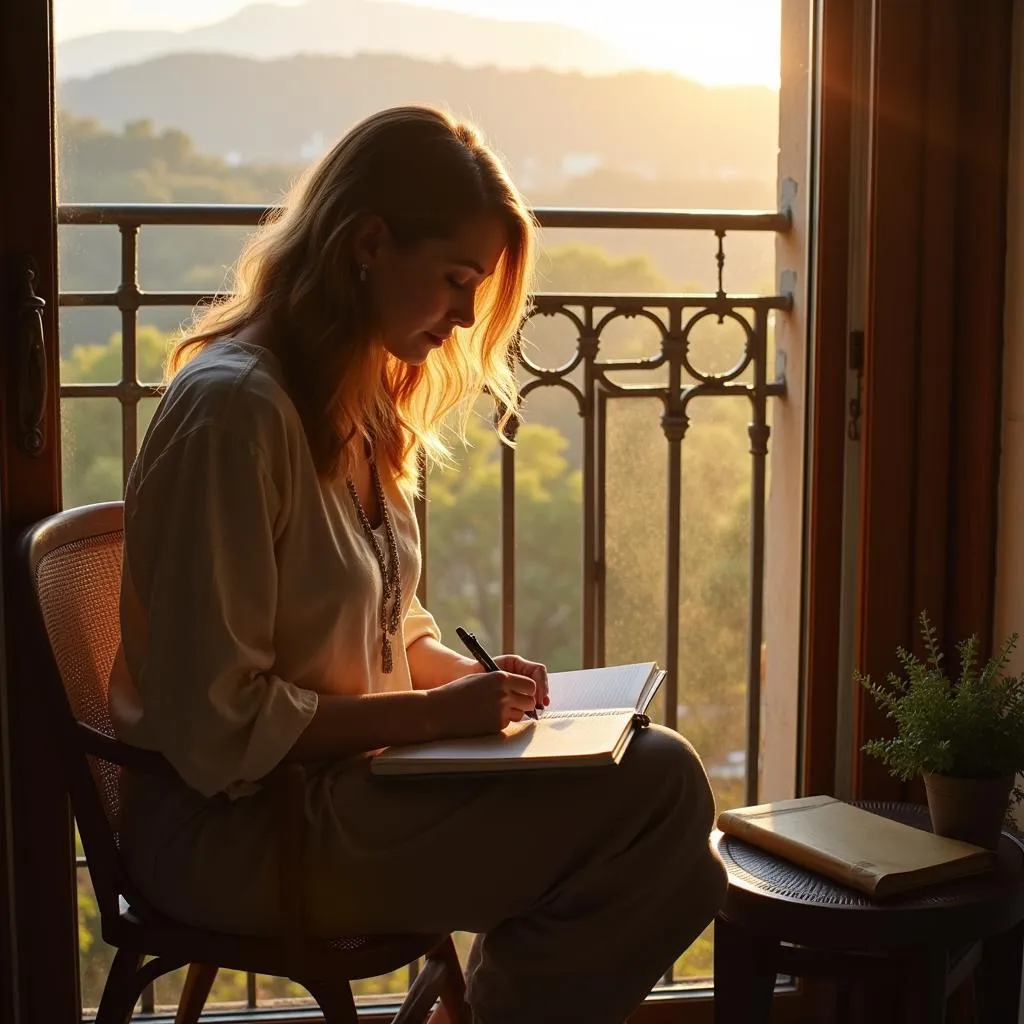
column 334, row 999
column 422, row 994
column 929, row 983
column 441, row 976
column 453, row 1009
column 845, row 997
column 998, row 977
column 194, row 993
column 745, row 970
column 122, row 989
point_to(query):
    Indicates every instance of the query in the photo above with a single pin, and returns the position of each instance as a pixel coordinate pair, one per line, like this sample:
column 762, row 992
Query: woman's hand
column 432, row 664
column 532, row 669
column 482, row 703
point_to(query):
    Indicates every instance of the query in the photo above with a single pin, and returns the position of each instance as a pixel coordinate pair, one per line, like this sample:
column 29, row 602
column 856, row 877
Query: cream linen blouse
column 248, row 586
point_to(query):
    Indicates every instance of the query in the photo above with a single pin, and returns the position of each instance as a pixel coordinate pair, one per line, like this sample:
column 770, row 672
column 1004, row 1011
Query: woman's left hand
column 532, row 669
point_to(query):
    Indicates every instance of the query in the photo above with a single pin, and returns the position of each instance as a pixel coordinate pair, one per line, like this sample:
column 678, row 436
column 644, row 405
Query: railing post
column 129, row 299
column 758, row 431
column 674, row 422
column 588, row 343
column 508, row 542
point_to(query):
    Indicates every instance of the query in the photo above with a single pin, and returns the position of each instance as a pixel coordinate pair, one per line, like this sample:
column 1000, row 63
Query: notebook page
column 595, row 689
column 548, row 715
column 555, row 740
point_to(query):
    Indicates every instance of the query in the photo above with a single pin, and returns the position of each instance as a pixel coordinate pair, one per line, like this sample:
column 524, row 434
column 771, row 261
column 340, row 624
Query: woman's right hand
column 482, row 703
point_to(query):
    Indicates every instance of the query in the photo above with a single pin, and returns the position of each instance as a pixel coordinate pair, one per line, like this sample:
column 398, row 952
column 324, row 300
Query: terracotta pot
column 969, row 809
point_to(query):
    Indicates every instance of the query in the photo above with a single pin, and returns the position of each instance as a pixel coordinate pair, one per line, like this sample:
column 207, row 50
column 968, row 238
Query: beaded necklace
column 391, row 575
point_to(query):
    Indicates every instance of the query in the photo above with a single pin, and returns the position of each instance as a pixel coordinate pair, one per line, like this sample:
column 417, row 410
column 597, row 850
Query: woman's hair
column 425, row 175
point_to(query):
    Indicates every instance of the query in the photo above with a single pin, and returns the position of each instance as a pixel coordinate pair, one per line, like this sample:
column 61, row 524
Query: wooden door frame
column 827, row 412
column 38, row 964
column 936, row 229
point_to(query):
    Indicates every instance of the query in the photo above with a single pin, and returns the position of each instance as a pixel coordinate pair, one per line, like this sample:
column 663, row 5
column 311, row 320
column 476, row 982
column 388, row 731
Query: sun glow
column 717, row 42
column 725, row 43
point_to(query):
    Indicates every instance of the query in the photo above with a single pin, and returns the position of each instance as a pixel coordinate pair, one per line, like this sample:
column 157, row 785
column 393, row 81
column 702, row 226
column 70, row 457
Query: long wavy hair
column 425, row 175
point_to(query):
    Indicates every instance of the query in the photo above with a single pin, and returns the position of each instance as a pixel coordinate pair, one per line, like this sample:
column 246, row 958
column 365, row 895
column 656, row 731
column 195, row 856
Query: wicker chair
column 71, row 566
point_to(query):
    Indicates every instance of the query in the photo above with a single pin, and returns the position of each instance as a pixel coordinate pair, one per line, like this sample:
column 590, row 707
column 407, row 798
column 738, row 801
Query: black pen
column 476, row 649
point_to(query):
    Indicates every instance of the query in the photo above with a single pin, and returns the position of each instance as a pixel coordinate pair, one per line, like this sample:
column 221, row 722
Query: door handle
column 32, row 371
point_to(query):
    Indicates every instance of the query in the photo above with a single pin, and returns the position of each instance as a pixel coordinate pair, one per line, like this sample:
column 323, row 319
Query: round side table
column 779, row 918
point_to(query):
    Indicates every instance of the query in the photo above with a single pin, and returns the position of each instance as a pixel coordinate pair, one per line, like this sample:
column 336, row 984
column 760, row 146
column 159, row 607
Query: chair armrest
column 138, row 759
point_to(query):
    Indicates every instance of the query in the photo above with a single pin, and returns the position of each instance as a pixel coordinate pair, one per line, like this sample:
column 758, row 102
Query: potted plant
column 964, row 737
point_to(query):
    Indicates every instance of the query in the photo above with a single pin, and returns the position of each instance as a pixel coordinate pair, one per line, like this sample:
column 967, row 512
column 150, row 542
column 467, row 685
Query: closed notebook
column 865, row 851
column 590, row 721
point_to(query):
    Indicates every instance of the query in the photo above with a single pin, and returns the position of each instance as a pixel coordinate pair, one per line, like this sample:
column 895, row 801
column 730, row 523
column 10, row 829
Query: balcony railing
column 670, row 376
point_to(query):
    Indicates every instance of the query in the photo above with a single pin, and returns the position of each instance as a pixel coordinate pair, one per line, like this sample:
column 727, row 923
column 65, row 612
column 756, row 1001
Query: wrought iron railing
column 586, row 376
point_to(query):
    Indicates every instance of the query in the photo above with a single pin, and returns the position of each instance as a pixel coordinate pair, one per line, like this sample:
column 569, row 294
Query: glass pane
column 463, row 942
column 91, row 362
column 228, row 992
column 715, row 573
column 549, row 536
column 719, row 349
column 393, row 984
column 193, row 258
column 550, row 343
column 144, row 412
column 697, row 963
column 464, row 537
column 90, row 345
column 91, row 340
column 89, row 256
column 94, row 955
column 637, row 498
column 279, row 993
column 90, row 450
column 153, row 345
column 167, row 990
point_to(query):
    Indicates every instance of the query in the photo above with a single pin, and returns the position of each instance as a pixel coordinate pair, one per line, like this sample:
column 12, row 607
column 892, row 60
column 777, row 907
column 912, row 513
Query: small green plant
column 970, row 728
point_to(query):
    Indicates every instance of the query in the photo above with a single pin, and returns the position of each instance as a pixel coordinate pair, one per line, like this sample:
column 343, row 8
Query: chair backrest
column 72, row 571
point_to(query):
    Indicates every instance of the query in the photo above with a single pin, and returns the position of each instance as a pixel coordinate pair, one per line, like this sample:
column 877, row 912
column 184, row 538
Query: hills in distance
column 347, row 27
column 552, row 127
column 245, row 93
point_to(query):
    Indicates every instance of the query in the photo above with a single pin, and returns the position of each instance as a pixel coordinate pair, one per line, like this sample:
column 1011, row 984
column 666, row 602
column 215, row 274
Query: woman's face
column 420, row 294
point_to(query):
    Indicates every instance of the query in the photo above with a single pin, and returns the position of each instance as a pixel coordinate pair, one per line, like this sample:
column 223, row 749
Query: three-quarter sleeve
column 418, row 623
column 202, row 525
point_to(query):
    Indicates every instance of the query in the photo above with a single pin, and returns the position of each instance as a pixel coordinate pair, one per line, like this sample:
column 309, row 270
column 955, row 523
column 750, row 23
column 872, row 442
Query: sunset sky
column 718, row 42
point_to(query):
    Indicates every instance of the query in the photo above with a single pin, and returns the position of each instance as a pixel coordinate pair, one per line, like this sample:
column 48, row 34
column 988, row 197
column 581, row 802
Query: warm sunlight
column 717, row 42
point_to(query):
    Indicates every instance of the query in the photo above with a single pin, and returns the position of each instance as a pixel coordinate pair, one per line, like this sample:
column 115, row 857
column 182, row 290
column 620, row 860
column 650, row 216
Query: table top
column 776, row 895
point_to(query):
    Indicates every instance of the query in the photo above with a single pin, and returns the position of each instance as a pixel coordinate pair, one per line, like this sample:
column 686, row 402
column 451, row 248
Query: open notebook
column 591, row 718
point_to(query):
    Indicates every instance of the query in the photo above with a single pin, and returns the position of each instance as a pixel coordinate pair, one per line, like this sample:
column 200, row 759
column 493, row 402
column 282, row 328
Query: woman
column 268, row 609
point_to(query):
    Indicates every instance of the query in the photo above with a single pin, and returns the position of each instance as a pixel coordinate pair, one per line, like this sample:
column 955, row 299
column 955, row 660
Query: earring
column 363, row 271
